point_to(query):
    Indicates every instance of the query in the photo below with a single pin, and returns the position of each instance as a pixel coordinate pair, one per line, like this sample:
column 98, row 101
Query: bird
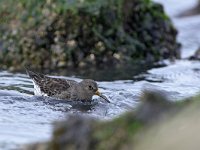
column 64, row 89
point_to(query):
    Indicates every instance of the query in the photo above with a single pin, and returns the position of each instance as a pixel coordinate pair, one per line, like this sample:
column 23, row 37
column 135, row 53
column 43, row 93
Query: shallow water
column 26, row 118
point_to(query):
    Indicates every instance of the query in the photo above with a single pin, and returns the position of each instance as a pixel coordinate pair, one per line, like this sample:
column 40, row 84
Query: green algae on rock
column 65, row 33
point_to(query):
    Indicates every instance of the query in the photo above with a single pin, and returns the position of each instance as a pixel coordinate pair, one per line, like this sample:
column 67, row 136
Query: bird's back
column 53, row 87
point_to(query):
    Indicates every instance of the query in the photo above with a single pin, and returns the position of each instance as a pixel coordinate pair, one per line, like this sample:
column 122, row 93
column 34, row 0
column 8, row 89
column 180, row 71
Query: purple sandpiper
column 64, row 89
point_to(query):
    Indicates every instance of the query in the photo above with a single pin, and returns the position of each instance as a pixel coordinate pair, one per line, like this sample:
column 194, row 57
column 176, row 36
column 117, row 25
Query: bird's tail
column 33, row 75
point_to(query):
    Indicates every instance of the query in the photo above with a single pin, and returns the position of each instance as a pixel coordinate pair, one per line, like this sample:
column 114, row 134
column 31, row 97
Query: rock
column 60, row 34
column 196, row 55
column 155, row 105
column 180, row 131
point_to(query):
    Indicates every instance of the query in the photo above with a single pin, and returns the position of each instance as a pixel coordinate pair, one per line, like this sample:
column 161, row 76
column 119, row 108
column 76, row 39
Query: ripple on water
column 26, row 118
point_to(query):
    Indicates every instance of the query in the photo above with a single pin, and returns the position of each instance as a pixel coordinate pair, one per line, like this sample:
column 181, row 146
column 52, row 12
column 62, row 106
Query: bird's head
column 91, row 88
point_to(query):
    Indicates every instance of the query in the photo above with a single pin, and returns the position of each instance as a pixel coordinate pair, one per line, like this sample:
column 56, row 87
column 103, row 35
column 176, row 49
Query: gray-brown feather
column 63, row 89
column 53, row 87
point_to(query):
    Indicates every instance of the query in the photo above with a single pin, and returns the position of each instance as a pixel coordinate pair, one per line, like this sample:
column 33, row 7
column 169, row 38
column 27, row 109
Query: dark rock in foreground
column 56, row 34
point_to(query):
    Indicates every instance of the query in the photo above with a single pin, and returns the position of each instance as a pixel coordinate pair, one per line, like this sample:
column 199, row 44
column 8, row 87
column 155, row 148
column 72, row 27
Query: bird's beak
column 102, row 96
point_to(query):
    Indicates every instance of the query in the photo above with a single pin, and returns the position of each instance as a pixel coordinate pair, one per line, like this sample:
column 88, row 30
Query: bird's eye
column 90, row 87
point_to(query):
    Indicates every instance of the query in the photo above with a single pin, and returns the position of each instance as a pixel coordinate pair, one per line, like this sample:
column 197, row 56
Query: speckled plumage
column 64, row 89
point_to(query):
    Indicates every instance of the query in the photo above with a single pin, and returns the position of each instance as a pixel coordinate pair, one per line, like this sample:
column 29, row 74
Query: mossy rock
column 65, row 33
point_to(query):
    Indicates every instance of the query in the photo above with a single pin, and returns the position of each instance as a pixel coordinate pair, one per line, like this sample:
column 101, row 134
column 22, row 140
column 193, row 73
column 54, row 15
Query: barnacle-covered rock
column 53, row 34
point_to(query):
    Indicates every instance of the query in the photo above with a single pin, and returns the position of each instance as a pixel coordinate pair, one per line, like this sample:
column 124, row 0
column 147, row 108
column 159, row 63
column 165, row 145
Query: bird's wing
column 48, row 85
column 52, row 86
